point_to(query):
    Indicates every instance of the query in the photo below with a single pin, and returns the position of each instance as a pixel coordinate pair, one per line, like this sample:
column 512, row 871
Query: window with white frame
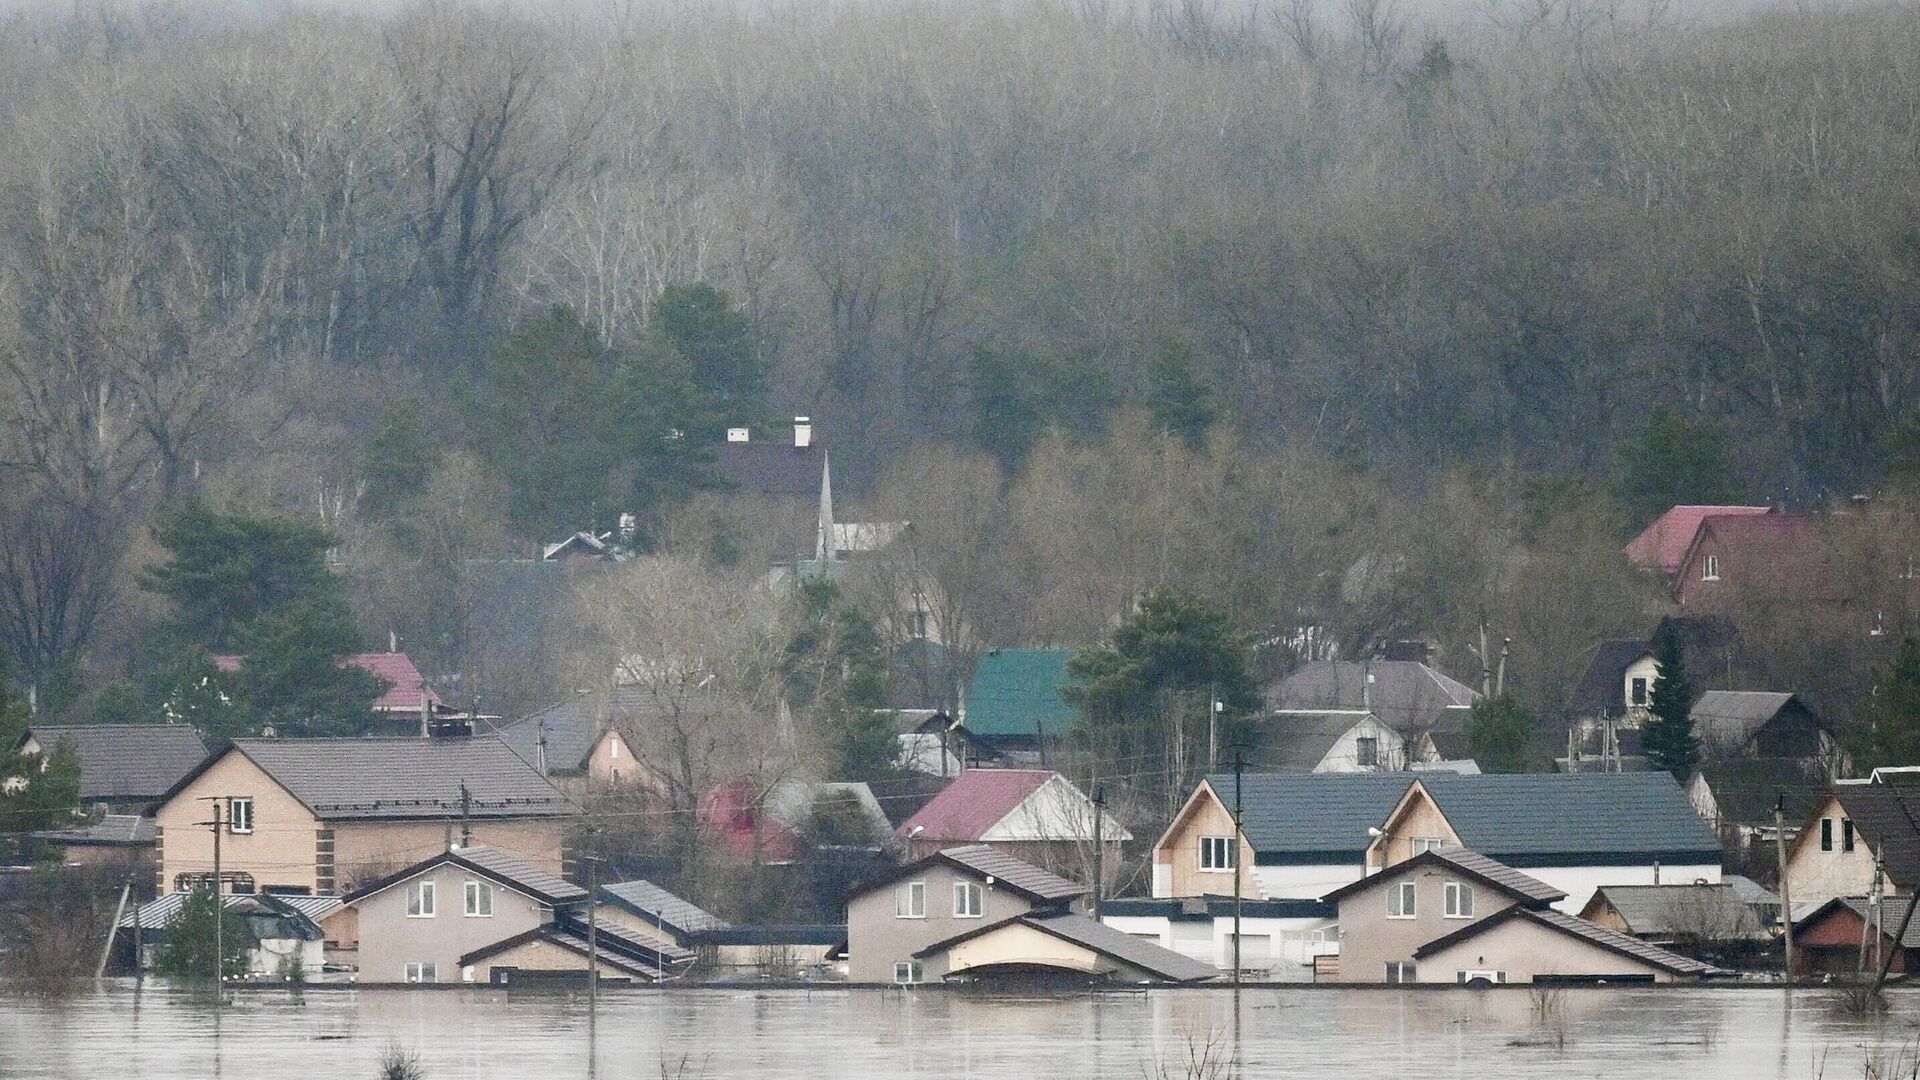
column 1459, row 900
column 910, row 900
column 1400, row 900
column 906, row 971
column 1420, row 845
column 1217, row 852
column 422, row 973
column 240, row 815
column 479, row 899
column 967, row 898
column 1400, row 971
column 1710, row 568
column 420, row 900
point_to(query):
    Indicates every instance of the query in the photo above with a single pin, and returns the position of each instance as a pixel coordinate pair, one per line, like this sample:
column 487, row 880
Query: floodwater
column 1633, row 1034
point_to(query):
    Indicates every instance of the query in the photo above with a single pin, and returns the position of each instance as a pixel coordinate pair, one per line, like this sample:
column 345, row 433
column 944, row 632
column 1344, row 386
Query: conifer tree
column 1668, row 737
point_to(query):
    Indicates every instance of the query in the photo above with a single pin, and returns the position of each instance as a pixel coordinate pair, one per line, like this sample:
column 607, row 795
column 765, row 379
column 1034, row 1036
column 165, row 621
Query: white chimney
column 737, row 434
column 802, row 431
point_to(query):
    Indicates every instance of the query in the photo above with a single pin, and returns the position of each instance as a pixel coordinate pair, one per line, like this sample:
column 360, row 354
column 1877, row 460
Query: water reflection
column 1706, row 1034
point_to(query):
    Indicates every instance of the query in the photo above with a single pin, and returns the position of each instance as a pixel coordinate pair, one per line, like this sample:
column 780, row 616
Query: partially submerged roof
column 1097, row 937
column 1015, row 693
column 1199, row 908
column 1664, row 544
column 1592, row 933
column 490, row 863
column 1523, row 819
column 1700, row 909
column 1527, row 890
column 1406, row 695
column 292, row 916
column 112, row 830
column 655, row 904
column 126, row 762
column 400, row 778
column 618, row 948
column 1889, row 917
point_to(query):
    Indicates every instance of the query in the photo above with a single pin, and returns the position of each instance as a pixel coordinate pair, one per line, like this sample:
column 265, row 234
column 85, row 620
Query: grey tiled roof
column 1593, row 933
column 341, row 779
column 1664, row 910
column 1299, row 739
column 650, row 901
column 127, row 762
column 113, row 830
column 1890, row 915
column 1122, row 946
column 1011, row 872
column 1603, row 688
column 1404, row 694
column 159, row 913
column 1728, row 718
column 1519, row 819
column 1885, row 817
column 1532, row 892
column 490, row 863
column 573, row 726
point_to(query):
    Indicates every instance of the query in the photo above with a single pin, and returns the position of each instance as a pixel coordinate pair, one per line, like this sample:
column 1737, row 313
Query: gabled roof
column 1301, row 738
column 772, row 467
column 491, row 863
column 1890, row 923
column 655, row 904
column 1015, row 693
column 976, row 801
column 398, row 778
column 618, row 948
column 1729, row 718
column 981, row 861
column 1523, row 819
column 1527, row 890
column 1884, row 815
column 404, row 683
column 112, row 830
column 1096, row 936
column 1670, row 910
column 1602, row 689
column 280, row 917
column 126, row 762
column 1405, row 694
column 1784, row 552
column 1663, row 545
column 1745, row 789
column 1591, row 933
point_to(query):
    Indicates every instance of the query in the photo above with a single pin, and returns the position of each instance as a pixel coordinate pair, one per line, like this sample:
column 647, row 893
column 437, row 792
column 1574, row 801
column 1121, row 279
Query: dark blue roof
column 1519, row 819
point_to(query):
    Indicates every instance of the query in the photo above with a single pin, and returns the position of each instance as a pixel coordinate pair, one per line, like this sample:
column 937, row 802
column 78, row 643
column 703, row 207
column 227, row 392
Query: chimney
column 738, row 434
column 802, row 432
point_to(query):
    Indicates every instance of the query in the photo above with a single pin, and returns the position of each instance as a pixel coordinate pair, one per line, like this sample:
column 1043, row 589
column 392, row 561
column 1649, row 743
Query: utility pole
column 593, row 925
column 1500, row 678
column 1213, row 726
column 1099, row 849
column 219, row 903
column 1239, row 765
column 1786, row 899
column 466, row 823
column 1886, row 960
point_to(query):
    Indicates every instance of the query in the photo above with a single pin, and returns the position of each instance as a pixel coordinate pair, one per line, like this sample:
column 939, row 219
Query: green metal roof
column 1016, row 692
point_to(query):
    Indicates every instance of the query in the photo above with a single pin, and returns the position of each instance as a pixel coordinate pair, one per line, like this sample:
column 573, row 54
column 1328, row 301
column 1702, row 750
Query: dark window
column 1639, row 691
column 1846, row 835
column 1826, row 834
column 1367, row 752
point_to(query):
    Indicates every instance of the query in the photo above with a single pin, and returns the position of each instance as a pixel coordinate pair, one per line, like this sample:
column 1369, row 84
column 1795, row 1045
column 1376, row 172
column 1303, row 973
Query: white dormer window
column 1420, row 845
column 1710, row 568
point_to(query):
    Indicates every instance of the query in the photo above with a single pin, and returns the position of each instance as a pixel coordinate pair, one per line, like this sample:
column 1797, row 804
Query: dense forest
column 1225, row 295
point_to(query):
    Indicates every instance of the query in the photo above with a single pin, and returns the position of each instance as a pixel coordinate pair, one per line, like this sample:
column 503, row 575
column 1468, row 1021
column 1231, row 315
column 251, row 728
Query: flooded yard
column 1633, row 1034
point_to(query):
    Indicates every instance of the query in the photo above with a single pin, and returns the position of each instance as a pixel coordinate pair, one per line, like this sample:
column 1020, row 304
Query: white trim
column 911, row 891
column 1404, row 895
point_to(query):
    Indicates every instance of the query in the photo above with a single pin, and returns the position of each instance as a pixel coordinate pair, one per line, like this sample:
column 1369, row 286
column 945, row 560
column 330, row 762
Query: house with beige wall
column 1448, row 915
column 324, row 816
column 973, row 913
column 1851, row 828
column 477, row 914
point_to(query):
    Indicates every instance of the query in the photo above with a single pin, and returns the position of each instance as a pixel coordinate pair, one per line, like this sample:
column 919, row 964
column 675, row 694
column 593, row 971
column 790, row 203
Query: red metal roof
column 974, row 803
column 1664, row 544
column 404, row 682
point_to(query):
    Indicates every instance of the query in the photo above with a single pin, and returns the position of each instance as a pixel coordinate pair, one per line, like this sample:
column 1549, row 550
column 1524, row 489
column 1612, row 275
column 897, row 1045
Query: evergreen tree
column 37, row 791
column 398, row 463
column 188, row 950
column 1892, row 712
column 224, row 570
column 291, row 678
column 1668, row 736
column 834, row 668
column 726, row 374
column 1183, row 405
column 1677, row 460
column 1498, row 733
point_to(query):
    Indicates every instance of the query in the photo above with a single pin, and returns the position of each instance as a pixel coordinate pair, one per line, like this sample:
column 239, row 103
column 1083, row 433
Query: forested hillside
column 1220, row 294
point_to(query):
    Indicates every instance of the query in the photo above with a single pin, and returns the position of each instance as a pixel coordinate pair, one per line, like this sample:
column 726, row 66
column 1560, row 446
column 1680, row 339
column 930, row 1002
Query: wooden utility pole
column 1786, row 899
column 466, row 820
column 219, row 904
column 593, row 926
column 1099, row 849
column 1238, row 765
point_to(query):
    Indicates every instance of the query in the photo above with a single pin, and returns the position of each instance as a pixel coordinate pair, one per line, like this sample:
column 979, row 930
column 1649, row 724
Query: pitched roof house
column 127, row 766
column 406, row 689
column 324, row 815
column 1689, row 913
column 282, row 934
column 1663, row 545
column 1410, row 696
column 641, row 905
column 1763, row 724
column 1766, row 558
column 973, row 913
column 1305, row 833
column 1032, row 814
column 1851, row 827
column 576, row 742
column 1013, row 701
column 1280, row 940
column 480, row 915
column 1333, row 740
column 1827, row 940
column 1451, row 915
column 1737, row 796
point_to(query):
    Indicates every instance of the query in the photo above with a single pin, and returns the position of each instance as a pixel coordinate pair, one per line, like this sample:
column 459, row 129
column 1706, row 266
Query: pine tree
column 1498, row 733
column 1893, row 711
column 1668, row 736
column 188, row 951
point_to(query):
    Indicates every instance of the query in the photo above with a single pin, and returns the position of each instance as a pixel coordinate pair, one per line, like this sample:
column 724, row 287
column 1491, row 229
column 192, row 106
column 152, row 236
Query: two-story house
column 322, row 816
column 973, row 913
column 1855, row 831
column 1450, row 915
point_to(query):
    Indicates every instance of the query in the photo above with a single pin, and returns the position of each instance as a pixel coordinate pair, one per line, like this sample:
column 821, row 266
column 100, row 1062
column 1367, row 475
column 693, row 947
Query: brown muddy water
column 1630, row 1034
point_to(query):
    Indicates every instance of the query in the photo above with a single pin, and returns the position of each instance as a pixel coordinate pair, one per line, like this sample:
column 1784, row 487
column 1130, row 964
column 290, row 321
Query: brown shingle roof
column 1531, row 892
column 126, row 762
column 1592, row 933
column 1011, row 872
column 378, row 779
column 488, row 863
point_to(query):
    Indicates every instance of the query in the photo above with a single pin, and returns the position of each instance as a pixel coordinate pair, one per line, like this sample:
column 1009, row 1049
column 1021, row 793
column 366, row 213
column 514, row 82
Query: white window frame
column 1458, row 903
column 1420, row 845
column 969, row 900
column 1400, row 972
column 421, row 901
column 1403, row 900
column 240, row 809
column 1217, row 854
column 422, row 971
column 907, row 972
column 910, row 900
column 477, row 891
column 1710, row 568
